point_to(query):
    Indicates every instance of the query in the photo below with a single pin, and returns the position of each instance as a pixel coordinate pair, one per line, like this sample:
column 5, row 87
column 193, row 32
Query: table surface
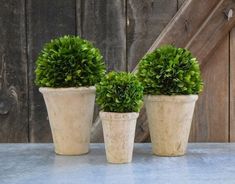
column 37, row 164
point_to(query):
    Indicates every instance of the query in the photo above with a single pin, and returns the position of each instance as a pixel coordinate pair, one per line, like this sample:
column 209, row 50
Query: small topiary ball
column 170, row 71
column 119, row 92
column 69, row 61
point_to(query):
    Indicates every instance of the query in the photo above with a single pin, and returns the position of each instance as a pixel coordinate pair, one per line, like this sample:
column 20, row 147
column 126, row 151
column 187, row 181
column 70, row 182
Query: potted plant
column 119, row 96
column 172, row 80
column 66, row 71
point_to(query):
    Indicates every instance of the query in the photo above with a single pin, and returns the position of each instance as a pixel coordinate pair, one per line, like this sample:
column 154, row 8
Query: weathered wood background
column 124, row 30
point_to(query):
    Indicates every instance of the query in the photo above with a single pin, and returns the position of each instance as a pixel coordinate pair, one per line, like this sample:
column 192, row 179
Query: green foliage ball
column 170, row 71
column 69, row 61
column 119, row 92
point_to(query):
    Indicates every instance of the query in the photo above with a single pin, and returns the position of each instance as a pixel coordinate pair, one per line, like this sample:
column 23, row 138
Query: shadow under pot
column 70, row 112
column 170, row 119
column 119, row 134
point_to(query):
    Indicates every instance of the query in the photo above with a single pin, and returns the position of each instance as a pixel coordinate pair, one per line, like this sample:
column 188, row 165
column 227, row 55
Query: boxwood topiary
column 69, row 61
column 119, row 92
column 170, row 71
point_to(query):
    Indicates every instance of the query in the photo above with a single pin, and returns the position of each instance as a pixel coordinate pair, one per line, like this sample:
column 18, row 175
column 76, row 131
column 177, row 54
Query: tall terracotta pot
column 119, row 133
column 70, row 112
column 170, row 119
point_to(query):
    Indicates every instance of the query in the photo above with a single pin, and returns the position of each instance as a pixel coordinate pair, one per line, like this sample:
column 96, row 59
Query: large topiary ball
column 170, row 71
column 69, row 61
column 119, row 92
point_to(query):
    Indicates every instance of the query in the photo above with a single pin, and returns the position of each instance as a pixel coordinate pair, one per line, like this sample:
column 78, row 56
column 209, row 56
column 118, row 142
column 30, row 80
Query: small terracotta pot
column 119, row 134
column 70, row 112
column 170, row 119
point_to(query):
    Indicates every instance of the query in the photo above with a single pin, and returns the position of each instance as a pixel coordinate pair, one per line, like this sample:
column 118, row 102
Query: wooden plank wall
column 123, row 30
column 211, row 117
column 104, row 23
column 45, row 20
column 145, row 21
column 13, row 72
column 232, row 86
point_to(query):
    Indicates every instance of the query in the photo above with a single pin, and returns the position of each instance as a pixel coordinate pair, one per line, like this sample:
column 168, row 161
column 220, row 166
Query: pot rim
column 171, row 98
column 118, row 115
column 82, row 89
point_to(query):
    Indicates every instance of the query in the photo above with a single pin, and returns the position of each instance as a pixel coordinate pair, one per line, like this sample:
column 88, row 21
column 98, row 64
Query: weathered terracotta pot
column 70, row 112
column 170, row 119
column 119, row 134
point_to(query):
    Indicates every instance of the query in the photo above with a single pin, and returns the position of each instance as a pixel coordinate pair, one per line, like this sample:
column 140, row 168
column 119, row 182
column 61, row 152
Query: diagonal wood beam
column 200, row 26
column 213, row 31
column 185, row 23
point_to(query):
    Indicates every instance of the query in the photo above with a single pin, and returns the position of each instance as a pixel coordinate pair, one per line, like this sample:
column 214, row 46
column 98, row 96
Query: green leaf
column 119, row 92
column 69, row 61
column 170, row 71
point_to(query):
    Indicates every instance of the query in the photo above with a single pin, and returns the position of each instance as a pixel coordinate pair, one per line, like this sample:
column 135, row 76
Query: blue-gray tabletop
column 37, row 164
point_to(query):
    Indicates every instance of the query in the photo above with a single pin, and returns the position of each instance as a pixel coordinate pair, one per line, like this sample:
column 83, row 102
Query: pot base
column 81, row 149
column 71, row 154
column 168, row 154
column 119, row 161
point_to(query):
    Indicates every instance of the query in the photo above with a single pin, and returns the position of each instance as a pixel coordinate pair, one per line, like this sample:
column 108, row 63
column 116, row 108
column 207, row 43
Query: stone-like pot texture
column 70, row 112
column 119, row 134
column 170, row 119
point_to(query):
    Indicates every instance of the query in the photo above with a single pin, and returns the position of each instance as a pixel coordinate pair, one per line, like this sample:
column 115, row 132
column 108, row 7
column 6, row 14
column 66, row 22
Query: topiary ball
column 119, row 92
column 170, row 71
column 69, row 61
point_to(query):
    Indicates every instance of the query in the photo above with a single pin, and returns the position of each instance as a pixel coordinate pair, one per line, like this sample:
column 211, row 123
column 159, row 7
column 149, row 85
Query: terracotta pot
column 70, row 112
column 119, row 134
column 170, row 119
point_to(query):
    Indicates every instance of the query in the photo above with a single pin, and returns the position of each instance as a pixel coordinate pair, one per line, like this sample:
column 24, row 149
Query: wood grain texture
column 124, row 31
column 211, row 117
column 203, row 22
column 180, row 3
column 186, row 22
column 104, row 23
column 13, row 73
column 46, row 20
column 78, row 17
column 232, row 86
column 213, row 30
column 145, row 21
